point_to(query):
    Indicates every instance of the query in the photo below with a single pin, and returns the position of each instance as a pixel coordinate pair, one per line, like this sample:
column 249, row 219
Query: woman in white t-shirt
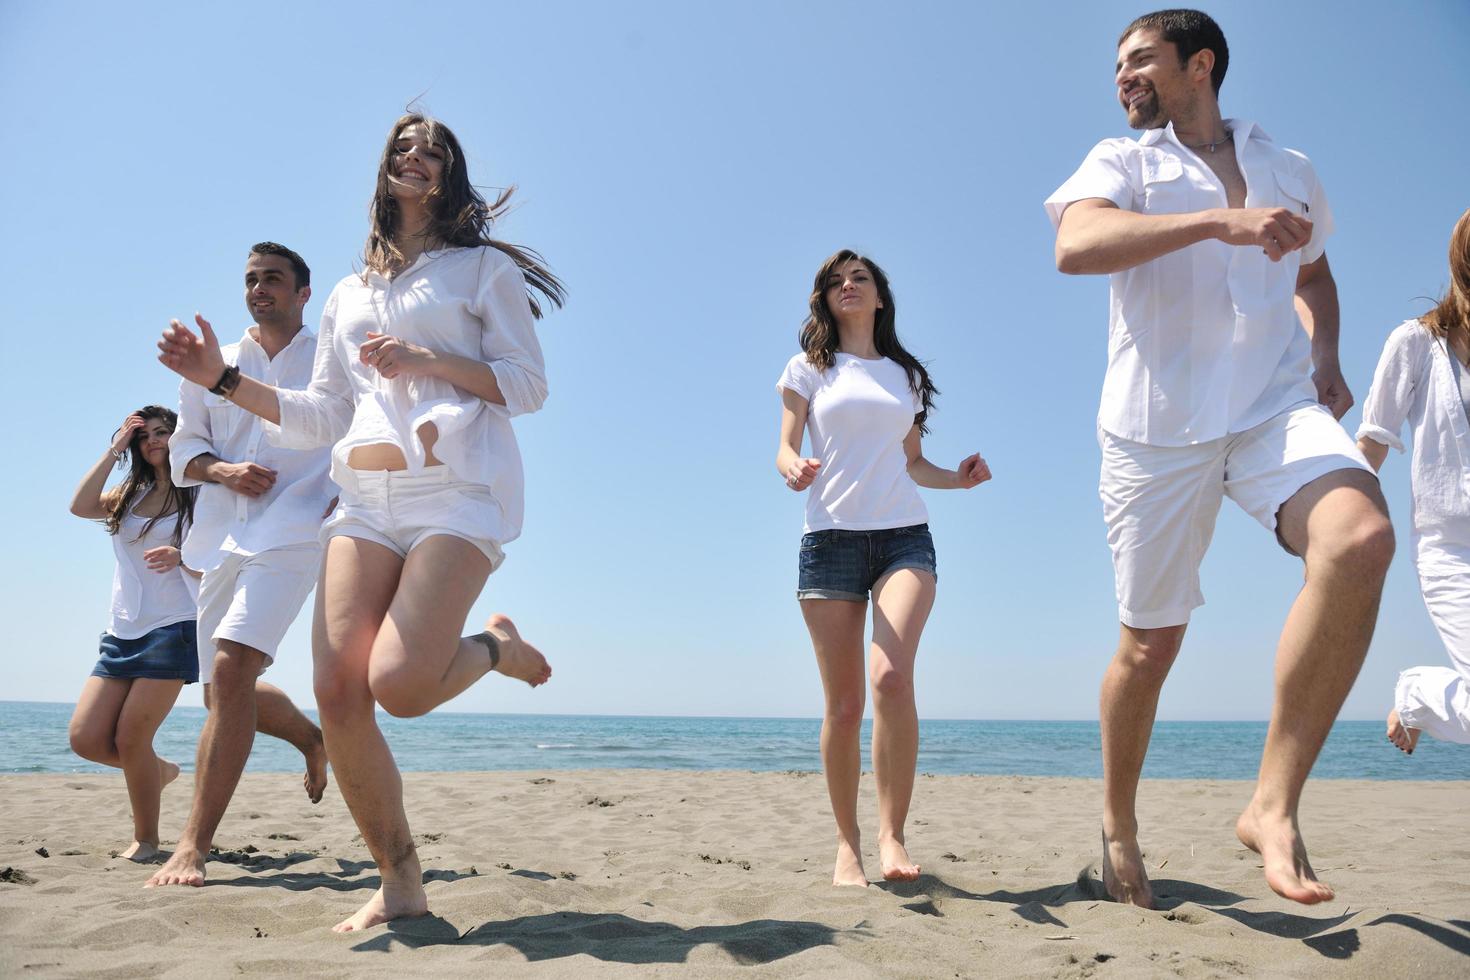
column 421, row 361
column 148, row 653
column 865, row 400
column 1423, row 378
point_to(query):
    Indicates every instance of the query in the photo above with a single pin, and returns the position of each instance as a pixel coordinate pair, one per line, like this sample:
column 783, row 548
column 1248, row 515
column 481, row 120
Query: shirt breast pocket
column 222, row 416
column 1165, row 190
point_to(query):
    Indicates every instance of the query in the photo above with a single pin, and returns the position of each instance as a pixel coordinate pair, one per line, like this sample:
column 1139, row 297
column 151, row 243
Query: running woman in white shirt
column 421, row 362
column 254, row 539
column 147, row 652
column 1423, row 378
column 1213, row 236
column 866, row 401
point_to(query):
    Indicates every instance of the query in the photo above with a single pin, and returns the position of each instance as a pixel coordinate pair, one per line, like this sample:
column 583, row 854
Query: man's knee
column 1361, row 546
column 1149, row 651
column 236, row 668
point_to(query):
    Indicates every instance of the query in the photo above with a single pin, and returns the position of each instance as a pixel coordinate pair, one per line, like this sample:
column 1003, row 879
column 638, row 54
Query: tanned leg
column 224, row 746
column 1130, row 699
column 148, row 703
column 276, row 715
column 901, row 605
column 1339, row 523
column 836, row 627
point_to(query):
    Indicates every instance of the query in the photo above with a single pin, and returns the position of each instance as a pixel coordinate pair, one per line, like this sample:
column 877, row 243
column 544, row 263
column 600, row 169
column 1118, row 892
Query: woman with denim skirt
column 865, row 400
column 148, row 652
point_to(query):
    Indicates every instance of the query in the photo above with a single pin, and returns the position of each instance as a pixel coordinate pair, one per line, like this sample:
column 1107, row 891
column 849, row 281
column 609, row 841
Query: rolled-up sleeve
column 1103, row 174
column 192, row 436
column 508, row 340
column 321, row 414
column 1394, row 382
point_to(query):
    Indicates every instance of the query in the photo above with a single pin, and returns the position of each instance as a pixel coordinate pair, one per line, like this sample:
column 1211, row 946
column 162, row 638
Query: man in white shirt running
column 1213, row 236
column 255, row 538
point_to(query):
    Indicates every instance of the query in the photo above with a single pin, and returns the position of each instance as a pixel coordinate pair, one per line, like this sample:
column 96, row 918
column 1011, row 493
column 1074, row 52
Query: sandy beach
column 701, row 874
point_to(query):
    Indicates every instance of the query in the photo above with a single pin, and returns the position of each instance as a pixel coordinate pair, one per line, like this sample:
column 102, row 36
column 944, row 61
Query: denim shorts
column 168, row 653
column 841, row 564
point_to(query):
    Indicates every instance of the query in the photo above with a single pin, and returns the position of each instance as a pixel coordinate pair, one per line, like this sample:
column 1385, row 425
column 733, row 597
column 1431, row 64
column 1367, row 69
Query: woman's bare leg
column 901, row 604
column 148, row 703
column 836, row 627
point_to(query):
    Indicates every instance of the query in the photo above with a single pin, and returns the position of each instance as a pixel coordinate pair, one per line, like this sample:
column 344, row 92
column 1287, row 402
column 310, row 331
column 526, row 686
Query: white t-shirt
column 142, row 599
column 860, row 412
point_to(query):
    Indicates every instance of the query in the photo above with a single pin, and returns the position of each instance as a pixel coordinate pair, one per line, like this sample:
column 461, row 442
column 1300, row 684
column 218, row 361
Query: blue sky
column 685, row 168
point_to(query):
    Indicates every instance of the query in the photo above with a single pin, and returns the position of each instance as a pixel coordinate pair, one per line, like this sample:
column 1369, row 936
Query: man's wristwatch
column 227, row 382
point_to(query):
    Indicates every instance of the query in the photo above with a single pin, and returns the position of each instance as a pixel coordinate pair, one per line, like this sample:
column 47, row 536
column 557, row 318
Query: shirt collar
column 1239, row 127
column 249, row 338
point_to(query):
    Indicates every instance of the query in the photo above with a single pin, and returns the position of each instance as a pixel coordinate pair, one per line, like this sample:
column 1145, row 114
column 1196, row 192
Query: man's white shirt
column 290, row 512
column 1203, row 342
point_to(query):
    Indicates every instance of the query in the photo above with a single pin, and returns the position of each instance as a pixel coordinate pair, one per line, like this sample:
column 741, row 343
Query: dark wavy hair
column 1190, row 31
column 1451, row 315
column 180, row 501
column 819, row 338
column 459, row 216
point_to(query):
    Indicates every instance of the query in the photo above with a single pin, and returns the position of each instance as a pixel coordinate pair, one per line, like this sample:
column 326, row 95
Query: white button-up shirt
column 465, row 301
column 226, row 522
column 1415, row 383
column 1204, row 341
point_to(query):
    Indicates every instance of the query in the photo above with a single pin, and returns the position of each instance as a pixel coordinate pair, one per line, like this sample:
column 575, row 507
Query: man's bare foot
column 893, row 860
column 167, row 772
column 141, row 851
column 184, row 867
column 1401, row 735
column 517, row 658
column 1279, row 843
column 315, row 779
column 849, row 868
column 1124, row 877
column 385, row 906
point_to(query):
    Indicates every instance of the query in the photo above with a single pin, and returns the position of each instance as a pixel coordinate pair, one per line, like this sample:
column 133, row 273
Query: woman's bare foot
column 167, row 772
column 1279, row 843
column 315, row 779
column 518, row 658
column 184, row 867
column 1123, row 874
column 1401, row 735
column 893, row 860
column 400, row 902
column 142, row 851
column 849, row 868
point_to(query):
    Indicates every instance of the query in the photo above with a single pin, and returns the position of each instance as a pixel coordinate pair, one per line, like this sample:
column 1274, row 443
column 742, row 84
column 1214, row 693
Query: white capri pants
column 1436, row 700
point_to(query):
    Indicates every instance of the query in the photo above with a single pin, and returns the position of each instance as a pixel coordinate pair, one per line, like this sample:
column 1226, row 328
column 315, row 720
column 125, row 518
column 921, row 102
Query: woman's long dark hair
column 819, row 337
column 180, row 500
column 1450, row 318
column 458, row 215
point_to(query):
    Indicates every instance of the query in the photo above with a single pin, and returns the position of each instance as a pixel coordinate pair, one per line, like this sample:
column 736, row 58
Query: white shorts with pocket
column 1160, row 502
column 397, row 510
column 253, row 599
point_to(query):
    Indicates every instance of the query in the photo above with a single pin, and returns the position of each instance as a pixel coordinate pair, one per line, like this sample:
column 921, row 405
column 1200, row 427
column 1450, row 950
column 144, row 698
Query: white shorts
column 253, row 599
column 398, row 510
column 1160, row 502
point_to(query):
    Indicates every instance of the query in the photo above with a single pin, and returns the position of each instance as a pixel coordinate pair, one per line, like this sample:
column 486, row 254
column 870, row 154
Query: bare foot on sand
column 141, row 851
column 315, row 779
column 167, row 772
column 517, row 658
column 1123, row 874
column 1401, row 735
column 849, row 868
column 893, row 860
column 1279, row 843
column 185, row 867
column 385, row 906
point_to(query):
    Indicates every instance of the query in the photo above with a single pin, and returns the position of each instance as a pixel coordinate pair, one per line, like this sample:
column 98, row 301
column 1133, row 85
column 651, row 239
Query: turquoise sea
column 33, row 739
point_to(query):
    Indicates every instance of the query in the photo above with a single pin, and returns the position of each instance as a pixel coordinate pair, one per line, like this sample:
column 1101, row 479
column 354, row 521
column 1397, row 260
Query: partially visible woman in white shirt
column 865, row 400
column 148, row 651
column 421, row 362
column 1423, row 378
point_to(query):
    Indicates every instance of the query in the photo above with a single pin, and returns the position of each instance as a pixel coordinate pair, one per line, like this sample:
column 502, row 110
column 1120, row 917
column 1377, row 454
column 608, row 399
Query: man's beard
column 1147, row 114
